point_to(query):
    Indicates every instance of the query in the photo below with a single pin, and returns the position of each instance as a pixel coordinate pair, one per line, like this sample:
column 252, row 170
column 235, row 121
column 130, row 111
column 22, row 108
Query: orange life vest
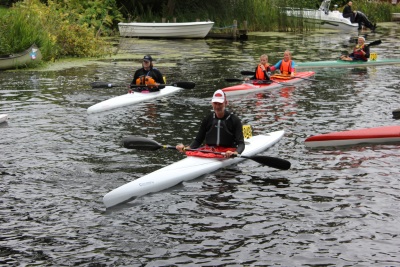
column 285, row 68
column 260, row 73
column 145, row 80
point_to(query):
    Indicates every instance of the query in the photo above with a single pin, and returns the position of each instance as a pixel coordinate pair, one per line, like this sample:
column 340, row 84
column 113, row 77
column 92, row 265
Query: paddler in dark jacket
column 263, row 70
column 148, row 74
column 360, row 52
column 221, row 130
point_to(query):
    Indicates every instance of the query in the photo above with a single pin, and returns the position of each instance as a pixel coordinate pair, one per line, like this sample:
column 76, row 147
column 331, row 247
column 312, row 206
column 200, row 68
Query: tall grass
column 375, row 11
column 56, row 33
column 21, row 33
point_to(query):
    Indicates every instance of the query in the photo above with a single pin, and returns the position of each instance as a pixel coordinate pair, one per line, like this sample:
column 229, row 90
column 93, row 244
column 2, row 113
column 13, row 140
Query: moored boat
column 323, row 17
column 165, row 30
column 3, row 117
column 258, row 86
column 186, row 169
column 352, row 137
column 26, row 58
column 346, row 64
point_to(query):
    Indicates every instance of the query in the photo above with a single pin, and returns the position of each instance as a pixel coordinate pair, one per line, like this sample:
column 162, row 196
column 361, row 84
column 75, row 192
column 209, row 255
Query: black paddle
column 260, row 81
column 184, row 85
column 252, row 73
column 142, row 143
column 377, row 42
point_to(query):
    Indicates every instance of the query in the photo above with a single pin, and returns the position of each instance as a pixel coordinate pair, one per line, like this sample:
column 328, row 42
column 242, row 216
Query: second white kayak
column 131, row 98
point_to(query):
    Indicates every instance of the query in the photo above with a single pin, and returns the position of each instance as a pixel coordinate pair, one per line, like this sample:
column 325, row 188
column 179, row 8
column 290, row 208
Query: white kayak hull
column 130, row 99
column 184, row 170
column 3, row 117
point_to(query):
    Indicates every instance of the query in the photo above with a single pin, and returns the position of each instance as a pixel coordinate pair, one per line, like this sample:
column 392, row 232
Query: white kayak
column 3, row 117
column 184, row 170
column 131, row 98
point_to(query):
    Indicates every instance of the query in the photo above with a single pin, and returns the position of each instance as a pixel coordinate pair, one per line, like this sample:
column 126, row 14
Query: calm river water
column 334, row 207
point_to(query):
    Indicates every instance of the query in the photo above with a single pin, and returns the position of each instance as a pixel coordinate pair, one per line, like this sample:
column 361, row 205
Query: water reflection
column 331, row 208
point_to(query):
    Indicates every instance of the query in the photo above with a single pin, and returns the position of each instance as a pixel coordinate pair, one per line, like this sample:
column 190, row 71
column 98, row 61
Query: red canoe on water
column 255, row 86
column 369, row 135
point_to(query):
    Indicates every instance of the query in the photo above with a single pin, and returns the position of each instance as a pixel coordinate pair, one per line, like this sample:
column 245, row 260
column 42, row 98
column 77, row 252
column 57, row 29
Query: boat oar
column 252, row 73
column 184, row 85
column 261, row 81
column 142, row 143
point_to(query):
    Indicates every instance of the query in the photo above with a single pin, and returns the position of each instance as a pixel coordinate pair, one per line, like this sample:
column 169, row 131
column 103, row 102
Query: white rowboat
column 165, row 30
column 184, row 170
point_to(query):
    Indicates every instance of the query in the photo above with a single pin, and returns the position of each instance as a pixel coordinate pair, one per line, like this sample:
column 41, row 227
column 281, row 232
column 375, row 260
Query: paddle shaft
column 277, row 163
column 252, row 73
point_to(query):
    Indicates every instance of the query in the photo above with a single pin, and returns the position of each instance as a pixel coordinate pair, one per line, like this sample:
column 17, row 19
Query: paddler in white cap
column 221, row 131
column 360, row 52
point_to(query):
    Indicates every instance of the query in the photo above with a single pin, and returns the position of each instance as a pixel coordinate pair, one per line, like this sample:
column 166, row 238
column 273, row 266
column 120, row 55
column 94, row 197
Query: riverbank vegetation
column 76, row 28
column 59, row 28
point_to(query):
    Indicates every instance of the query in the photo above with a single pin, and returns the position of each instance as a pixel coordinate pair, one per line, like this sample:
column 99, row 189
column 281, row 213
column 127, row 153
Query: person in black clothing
column 221, row 130
column 148, row 75
column 357, row 17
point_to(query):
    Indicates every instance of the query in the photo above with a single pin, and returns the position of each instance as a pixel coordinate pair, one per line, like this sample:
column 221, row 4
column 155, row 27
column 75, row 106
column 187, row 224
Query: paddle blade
column 140, row 143
column 377, row 42
column 272, row 162
column 247, row 72
column 184, row 85
column 103, row 85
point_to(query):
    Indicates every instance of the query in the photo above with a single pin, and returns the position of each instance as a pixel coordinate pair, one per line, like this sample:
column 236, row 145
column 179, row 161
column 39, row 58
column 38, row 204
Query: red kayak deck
column 254, row 85
column 368, row 135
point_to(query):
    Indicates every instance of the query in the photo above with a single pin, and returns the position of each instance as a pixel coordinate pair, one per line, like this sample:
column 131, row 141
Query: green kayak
column 345, row 64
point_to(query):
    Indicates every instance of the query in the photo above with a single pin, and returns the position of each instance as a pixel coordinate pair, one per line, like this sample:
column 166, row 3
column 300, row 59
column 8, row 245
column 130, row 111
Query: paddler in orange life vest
column 263, row 71
column 360, row 52
column 221, row 130
column 286, row 65
column 147, row 75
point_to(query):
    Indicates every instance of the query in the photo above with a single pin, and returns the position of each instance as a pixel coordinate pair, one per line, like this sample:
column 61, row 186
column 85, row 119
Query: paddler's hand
column 230, row 154
column 181, row 148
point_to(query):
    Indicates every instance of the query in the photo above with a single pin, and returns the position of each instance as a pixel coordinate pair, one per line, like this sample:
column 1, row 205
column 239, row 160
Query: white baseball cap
column 219, row 96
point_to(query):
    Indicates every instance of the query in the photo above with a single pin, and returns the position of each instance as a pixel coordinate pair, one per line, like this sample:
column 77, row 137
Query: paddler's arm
column 292, row 69
column 239, row 135
column 276, row 66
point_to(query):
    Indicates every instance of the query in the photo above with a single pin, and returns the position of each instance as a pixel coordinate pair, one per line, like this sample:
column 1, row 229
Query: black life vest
column 219, row 134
